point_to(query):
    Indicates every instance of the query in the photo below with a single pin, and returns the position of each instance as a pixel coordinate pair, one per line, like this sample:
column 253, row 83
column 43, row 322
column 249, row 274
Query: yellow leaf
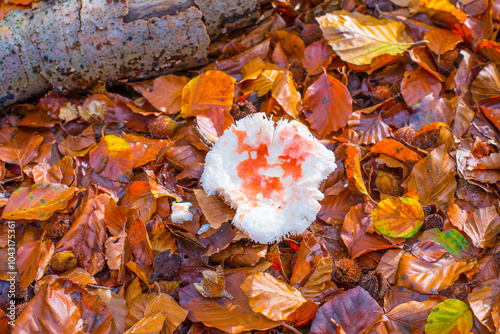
column 271, row 297
column 359, row 38
column 398, row 217
column 286, row 94
column 442, row 5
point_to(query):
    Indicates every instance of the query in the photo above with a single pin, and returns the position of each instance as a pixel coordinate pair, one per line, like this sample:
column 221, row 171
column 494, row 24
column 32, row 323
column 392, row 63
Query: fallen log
column 73, row 44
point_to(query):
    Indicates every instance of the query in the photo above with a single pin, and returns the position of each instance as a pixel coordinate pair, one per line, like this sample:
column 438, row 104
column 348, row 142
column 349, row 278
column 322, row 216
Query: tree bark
column 73, row 44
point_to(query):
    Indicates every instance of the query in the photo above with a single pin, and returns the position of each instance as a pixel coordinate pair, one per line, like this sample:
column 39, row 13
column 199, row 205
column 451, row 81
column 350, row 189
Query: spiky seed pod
column 162, row 127
column 346, row 270
column 57, row 225
column 433, row 221
column 375, row 284
column 405, row 135
column 449, row 61
column 368, row 261
column 380, row 93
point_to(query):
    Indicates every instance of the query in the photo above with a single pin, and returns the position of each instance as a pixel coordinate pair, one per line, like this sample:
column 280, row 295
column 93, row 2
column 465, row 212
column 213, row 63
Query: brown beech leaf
column 214, row 209
column 487, row 83
column 422, row 56
column 211, row 90
column 396, row 150
column 145, row 149
column 231, row 316
column 20, row 148
column 112, row 158
column 117, row 305
column 292, row 44
column 317, row 55
column 137, row 305
column 388, row 265
column 78, row 145
column 271, row 297
column 331, row 105
column 427, row 277
column 140, row 246
column 33, row 259
column 213, row 284
column 164, row 92
column 309, row 254
column 139, row 197
column 304, row 314
column 483, row 226
column 80, row 276
column 355, row 235
column 428, row 250
column 186, row 158
column 284, row 91
column 87, row 235
column 463, row 116
column 434, row 178
column 409, row 317
column 441, row 40
column 371, row 127
column 38, row 202
column 354, row 310
column 175, row 314
column 490, row 107
column 484, row 301
column 419, row 84
column 62, row 306
column 118, row 253
column 335, row 207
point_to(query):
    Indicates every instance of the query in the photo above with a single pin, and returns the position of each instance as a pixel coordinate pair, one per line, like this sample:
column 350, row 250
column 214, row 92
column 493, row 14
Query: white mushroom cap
column 270, row 175
column 180, row 212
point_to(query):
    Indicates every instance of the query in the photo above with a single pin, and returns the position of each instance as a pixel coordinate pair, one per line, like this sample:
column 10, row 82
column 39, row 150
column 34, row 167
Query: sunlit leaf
column 164, row 92
column 396, row 150
column 409, row 317
column 452, row 241
column 62, row 306
column 482, row 300
column 359, row 38
column 211, row 90
column 431, row 277
column 20, row 148
column 331, row 105
column 450, row 315
column 398, row 217
column 317, row 55
column 441, row 40
column 271, row 297
column 113, row 158
column 442, row 5
column 117, row 305
column 353, row 170
column 39, row 201
column 33, row 259
column 286, row 94
column 175, row 314
column 487, row 83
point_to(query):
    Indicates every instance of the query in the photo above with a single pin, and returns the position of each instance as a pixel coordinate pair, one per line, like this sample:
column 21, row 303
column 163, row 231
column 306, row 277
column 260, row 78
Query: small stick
column 203, row 137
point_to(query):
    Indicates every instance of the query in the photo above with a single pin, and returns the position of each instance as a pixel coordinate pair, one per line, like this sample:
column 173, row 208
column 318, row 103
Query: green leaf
column 399, row 217
column 452, row 314
column 452, row 241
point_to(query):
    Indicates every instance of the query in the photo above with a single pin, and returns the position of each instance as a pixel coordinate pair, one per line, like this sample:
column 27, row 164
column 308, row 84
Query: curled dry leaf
column 271, row 297
column 284, row 91
column 39, row 201
column 483, row 226
column 483, row 300
column 214, row 209
column 441, row 41
column 62, row 306
column 213, row 284
column 359, row 38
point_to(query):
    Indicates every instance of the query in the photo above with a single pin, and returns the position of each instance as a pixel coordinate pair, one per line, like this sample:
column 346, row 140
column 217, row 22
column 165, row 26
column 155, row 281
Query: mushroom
column 180, row 212
column 269, row 172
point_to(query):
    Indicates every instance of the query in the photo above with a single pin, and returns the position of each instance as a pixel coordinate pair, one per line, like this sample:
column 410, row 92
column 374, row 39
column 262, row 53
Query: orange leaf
column 487, row 83
column 112, row 158
column 271, row 297
column 232, row 316
column 33, row 259
column 87, row 235
column 409, row 317
column 164, row 92
column 21, row 148
column 396, row 150
column 211, row 90
column 144, row 149
column 441, row 40
column 483, row 300
column 62, row 306
column 117, row 305
column 331, row 105
column 418, row 84
column 317, row 55
column 286, row 94
column 483, row 226
column 39, row 201
column 430, row 278
column 292, row 44
column 140, row 245
column 80, row 145
column 175, row 314
column 353, row 170
column 214, row 209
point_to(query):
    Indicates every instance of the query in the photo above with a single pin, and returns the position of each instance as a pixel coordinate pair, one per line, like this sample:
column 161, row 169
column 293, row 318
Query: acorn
column 162, row 127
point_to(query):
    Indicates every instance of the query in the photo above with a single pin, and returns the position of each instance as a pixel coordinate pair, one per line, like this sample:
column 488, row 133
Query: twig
column 290, row 328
